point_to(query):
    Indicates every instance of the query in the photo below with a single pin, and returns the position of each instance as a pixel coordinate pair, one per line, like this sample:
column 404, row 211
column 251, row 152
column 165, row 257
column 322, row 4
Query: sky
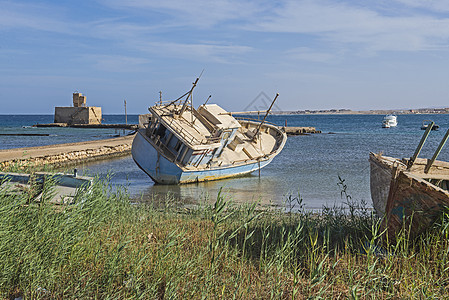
column 317, row 54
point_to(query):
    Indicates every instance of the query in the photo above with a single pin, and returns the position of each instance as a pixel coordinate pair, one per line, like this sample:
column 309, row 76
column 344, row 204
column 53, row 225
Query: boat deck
column 190, row 127
column 201, row 130
column 247, row 150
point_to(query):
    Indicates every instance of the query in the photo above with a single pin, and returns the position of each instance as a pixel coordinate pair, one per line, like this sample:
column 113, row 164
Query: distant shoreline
column 340, row 111
column 365, row 112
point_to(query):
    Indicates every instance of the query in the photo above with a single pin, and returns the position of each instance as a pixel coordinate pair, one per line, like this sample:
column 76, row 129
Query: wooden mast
column 268, row 111
column 184, row 106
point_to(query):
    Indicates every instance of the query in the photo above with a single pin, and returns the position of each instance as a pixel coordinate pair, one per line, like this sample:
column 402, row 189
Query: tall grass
column 103, row 246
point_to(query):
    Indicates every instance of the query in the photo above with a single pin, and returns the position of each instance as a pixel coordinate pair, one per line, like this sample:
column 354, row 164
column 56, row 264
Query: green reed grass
column 25, row 166
column 103, row 246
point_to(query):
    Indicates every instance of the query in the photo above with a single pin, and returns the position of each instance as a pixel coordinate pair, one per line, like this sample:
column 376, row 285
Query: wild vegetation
column 25, row 166
column 104, row 246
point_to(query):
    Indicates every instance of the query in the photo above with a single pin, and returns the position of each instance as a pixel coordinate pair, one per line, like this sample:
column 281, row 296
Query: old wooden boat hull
column 380, row 179
column 414, row 203
column 408, row 197
column 165, row 171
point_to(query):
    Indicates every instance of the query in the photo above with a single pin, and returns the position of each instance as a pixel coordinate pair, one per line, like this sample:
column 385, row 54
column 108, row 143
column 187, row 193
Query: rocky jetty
column 300, row 130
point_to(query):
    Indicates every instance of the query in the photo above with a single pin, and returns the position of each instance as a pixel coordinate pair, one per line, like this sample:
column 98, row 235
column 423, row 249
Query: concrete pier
column 65, row 154
column 105, row 126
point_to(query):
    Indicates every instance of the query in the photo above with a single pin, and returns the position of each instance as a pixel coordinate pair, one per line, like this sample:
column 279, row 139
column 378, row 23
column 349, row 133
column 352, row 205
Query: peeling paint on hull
column 152, row 162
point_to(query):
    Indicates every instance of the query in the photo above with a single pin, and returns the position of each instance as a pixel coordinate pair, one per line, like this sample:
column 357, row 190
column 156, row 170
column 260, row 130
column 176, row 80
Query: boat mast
column 268, row 111
column 189, row 94
column 207, row 99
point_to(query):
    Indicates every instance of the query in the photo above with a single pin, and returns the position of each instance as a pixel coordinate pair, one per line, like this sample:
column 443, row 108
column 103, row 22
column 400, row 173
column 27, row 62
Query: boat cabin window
column 152, row 126
column 161, row 131
column 178, row 146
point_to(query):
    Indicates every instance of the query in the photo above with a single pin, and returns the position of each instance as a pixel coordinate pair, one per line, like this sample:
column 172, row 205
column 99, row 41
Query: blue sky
column 316, row 54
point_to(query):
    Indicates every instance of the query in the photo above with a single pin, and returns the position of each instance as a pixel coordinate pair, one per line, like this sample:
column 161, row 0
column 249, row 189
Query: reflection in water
column 123, row 171
column 310, row 164
column 241, row 190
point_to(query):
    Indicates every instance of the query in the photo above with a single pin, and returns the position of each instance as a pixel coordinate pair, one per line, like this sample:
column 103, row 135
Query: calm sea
column 309, row 165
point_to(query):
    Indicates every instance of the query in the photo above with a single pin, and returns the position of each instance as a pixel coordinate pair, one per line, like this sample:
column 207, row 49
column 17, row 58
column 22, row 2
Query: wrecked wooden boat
column 409, row 193
column 180, row 144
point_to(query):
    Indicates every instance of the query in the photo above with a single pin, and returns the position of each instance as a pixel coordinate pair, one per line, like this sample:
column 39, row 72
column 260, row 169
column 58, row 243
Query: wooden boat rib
column 180, row 144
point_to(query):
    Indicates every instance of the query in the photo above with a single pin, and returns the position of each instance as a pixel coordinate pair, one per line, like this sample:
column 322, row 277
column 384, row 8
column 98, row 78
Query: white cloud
column 198, row 13
column 116, row 63
column 434, row 5
column 365, row 27
column 308, row 54
column 213, row 52
column 361, row 28
column 31, row 16
column 356, row 26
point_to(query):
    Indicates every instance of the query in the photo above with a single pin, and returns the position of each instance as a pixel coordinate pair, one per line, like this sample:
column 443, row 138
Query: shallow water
column 309, row 165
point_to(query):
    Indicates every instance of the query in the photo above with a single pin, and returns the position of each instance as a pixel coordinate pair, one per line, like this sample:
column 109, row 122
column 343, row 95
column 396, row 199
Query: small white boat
column 426, row 123
column 389, row 121
column 180, row 144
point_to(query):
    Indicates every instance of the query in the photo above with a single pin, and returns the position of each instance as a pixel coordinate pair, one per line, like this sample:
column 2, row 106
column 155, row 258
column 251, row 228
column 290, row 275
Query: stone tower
column 80, row 113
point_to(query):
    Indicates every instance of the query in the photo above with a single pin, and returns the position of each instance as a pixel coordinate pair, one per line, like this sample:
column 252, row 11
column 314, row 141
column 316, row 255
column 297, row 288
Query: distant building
column 79, row 100
column 79, row 113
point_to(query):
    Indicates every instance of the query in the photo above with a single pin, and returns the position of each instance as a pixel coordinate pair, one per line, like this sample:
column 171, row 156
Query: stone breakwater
column 65, row 154
column 300, row 130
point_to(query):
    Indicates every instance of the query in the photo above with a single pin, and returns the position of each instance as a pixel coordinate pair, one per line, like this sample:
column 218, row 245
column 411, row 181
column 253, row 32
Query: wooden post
column 437, row 152
column 126, row 115
column 420, row 145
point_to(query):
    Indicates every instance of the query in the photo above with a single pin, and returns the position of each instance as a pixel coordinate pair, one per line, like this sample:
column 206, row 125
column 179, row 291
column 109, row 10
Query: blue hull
column 164, row 171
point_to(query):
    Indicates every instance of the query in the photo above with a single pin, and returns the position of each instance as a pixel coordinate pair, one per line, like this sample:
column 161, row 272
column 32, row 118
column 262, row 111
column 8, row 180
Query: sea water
column 310, row 166
column 22, row 124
